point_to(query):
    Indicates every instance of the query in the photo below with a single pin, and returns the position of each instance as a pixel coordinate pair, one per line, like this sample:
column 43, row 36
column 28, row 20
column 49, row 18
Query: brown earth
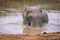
column 30, row 37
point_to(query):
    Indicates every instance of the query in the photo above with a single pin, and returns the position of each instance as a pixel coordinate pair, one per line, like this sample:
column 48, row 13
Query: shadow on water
column 13, row 24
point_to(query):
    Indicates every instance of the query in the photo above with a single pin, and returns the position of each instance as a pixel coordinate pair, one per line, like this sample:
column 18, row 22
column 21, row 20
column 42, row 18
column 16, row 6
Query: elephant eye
column 29, row 11
column 41, row 11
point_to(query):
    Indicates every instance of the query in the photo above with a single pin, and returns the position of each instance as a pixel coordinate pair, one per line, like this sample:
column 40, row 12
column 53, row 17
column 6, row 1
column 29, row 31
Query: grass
column 19, row 4
column 47, row 4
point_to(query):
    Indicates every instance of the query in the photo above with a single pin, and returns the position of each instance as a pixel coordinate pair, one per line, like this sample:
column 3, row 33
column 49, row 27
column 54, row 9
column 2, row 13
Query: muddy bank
column 31, row 37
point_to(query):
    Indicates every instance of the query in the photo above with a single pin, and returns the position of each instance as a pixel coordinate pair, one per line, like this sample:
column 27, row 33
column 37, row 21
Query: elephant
column 34, row 16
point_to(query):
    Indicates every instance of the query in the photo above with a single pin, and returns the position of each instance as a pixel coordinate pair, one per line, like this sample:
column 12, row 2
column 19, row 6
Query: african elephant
column 34, row 16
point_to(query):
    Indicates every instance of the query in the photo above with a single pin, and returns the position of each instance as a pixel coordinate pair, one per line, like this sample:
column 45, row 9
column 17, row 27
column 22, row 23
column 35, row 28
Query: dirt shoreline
column 30, row 37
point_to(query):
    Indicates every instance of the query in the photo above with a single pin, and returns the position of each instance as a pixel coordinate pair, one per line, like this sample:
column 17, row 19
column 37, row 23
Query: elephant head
column 34, row 16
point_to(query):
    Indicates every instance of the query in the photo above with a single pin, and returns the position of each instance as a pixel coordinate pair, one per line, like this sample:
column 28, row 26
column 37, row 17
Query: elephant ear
column 24, row 12
column 45, row 17
column 40, row 9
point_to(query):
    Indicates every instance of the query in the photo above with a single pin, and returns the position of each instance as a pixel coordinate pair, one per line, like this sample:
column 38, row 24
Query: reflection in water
column 14, row 24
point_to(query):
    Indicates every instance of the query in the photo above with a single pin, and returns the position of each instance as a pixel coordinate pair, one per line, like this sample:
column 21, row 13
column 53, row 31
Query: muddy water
column 14, row 24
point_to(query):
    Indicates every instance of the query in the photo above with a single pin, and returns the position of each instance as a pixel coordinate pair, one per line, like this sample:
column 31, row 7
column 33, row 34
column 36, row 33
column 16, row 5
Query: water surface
column 13, row 24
